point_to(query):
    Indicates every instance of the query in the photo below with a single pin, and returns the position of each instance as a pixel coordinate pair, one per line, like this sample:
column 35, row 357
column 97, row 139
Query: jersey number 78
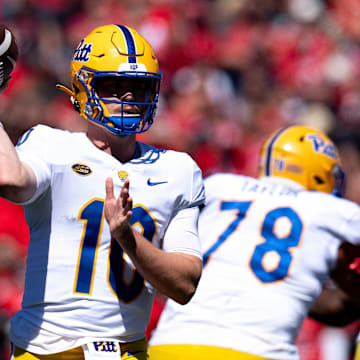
column 272, row 241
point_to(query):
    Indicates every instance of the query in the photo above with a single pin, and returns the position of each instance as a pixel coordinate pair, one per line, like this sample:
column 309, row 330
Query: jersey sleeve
column 349, row 228
column 182, row 233
column 32, row 149
column 198, row 191
column 334, row 221
column 191, row 181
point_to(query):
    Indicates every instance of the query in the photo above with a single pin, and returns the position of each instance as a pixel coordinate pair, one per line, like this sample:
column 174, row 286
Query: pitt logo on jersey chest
column 123, row 175
column 81, row 169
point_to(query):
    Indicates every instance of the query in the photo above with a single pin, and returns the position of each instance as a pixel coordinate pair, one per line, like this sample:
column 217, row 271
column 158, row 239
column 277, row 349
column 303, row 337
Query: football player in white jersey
column 97, row 252
column 268, row 246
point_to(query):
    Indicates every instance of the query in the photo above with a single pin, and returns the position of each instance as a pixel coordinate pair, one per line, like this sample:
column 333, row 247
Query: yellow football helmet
column 304, row 155
column 114, row 51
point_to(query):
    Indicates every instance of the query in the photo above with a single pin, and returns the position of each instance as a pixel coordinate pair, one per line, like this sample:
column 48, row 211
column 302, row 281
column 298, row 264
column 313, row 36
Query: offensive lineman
column 269, row 244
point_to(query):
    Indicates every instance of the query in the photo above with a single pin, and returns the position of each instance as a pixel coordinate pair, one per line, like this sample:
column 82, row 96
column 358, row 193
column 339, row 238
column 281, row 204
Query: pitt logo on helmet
column 321, row 146
column 82, row 52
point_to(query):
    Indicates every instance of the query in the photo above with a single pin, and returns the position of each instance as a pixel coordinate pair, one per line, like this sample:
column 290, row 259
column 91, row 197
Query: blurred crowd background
column 233, row 72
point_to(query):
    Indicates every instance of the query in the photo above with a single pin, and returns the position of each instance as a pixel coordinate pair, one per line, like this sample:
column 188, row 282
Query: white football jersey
column 266, row 252
column 79, row 285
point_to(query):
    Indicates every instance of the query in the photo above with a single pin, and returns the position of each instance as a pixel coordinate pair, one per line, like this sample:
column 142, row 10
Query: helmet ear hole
column 77, row 90
column 76, row 106
column 319, row 180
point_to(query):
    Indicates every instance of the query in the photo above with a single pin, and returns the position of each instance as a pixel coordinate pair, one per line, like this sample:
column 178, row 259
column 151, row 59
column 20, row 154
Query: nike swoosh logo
column 150, row 183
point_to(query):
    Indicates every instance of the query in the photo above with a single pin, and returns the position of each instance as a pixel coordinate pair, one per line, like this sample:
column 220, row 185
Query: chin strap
column 71, row 94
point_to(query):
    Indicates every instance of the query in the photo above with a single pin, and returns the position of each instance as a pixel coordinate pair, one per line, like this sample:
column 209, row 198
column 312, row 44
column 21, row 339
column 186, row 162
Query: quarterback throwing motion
column 269, row 244
column 111, row 219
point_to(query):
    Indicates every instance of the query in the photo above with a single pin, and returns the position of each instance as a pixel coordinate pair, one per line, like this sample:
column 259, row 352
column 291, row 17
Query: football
column 8, row 53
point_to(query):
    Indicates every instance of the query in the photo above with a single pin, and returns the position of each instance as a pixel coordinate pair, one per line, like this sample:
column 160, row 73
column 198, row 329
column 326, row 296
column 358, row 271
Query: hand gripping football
column 8, row 53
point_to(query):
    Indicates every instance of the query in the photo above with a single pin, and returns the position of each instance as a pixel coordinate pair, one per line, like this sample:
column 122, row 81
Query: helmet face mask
column 143, row 88
column 339, row 179
column 111, row 62
column 304, row 155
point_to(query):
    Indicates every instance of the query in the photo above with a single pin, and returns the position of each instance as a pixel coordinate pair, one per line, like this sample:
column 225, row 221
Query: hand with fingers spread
column 118, row 211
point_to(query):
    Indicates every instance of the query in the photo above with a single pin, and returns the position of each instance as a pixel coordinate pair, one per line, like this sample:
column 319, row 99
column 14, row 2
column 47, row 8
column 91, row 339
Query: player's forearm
column 10, row 174
column 343, row 274
column 175, row 275
column 14, row 176
column 334, row 308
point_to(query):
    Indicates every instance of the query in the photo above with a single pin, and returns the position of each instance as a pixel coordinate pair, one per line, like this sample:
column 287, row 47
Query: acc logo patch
column 123, row 175
column 81, row 169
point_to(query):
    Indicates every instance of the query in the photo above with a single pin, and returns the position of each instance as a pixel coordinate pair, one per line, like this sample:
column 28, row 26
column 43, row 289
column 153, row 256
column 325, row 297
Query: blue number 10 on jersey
column 92, row 214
